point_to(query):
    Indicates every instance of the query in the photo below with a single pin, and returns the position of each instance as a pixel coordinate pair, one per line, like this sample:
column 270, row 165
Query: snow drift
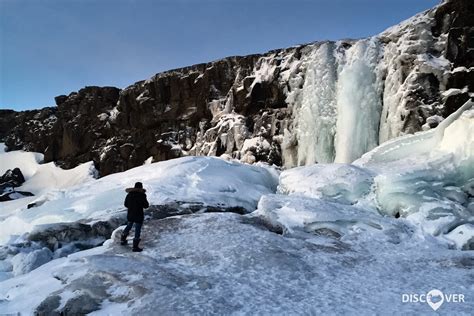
column 201, row 180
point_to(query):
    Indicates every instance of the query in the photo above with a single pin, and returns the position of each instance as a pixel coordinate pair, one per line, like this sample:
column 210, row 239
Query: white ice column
column 358, row 101
column 316, row 118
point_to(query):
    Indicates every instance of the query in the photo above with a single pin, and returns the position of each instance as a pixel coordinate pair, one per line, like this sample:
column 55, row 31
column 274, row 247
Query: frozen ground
column 226, row 264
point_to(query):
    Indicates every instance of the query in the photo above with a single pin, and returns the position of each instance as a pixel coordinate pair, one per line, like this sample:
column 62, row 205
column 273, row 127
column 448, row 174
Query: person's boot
column 135, row 245
column 123, row 239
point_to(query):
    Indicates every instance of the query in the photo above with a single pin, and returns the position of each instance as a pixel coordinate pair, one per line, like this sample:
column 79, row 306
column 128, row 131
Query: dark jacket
column 135, row 202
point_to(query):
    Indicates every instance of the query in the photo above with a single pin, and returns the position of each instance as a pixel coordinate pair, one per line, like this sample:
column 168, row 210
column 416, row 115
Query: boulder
column 454, row 102
column 13, row 177
column 460, row 80
column 10, row 180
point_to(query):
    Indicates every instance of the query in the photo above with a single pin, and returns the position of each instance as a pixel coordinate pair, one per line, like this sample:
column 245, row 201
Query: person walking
column 135, row 202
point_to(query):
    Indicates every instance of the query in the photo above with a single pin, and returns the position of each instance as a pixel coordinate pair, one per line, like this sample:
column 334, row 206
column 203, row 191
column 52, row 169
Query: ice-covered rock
column 342, row 183
column 25, row 262
column 295, row 214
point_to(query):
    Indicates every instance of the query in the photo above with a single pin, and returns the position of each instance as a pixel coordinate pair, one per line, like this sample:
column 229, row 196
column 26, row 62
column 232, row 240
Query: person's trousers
column 138, row 229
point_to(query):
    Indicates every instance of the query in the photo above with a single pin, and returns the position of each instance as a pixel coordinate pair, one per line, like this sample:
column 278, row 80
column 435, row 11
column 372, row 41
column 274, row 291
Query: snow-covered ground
column 203, row 180
column 223, row 264
column 337, row 238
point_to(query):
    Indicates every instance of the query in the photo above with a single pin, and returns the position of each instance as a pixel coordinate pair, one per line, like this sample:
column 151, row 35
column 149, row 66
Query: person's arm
column 126, row 201
column 145, row 202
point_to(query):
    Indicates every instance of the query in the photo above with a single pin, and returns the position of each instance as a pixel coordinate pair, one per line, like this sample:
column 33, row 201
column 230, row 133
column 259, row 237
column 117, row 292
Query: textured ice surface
column 293, row 214
column 343, row 183
column 223, row 264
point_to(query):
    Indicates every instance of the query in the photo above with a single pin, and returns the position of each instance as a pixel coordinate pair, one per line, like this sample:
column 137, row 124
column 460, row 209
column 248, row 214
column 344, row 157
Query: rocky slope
column 293, row 106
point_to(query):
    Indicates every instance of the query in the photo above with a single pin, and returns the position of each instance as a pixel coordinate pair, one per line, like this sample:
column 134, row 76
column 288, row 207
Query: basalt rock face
column 206, row 109
column 28, row 130
column 456, row 18
column 83, row 129
column 261, row 107
column 7, row 122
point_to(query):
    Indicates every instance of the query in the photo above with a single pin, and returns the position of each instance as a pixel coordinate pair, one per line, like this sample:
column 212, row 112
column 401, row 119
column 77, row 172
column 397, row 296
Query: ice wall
column 337, row 111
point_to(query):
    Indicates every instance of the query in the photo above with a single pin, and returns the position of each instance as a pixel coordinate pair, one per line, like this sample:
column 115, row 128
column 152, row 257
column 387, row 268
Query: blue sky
column 53, row 47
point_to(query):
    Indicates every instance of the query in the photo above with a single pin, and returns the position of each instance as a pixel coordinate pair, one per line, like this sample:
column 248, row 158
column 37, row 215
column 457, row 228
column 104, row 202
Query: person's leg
column 138, row 230
column 136, row 240
column 125, row 232
column 127, row 229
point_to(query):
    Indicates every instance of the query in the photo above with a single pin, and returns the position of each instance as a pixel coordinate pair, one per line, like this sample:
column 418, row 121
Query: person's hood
column 129, row 190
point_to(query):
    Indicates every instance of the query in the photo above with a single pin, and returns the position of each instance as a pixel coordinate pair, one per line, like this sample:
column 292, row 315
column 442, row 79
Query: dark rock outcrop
column 31, row 130
column 14, row 195
column 8, row 182
column 8, row 119
column 456, row 18
column 12, row 178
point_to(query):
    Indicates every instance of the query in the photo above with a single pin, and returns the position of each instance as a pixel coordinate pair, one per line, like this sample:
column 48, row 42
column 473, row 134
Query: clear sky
column 53, row 47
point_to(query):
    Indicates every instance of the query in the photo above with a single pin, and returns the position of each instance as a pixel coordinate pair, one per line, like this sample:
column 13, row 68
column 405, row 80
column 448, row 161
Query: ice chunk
column 25, row 262
column 463, row 236
column 296, row 214
column 342, row 183
column 256, row 142
column 426, row 178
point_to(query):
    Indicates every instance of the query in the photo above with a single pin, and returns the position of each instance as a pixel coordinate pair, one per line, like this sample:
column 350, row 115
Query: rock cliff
column 318, row 102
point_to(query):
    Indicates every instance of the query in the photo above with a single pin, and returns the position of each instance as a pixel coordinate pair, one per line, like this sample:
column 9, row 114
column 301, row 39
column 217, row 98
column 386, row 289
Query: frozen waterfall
column 317, row 116
column 339, row 105
column 359, row 102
